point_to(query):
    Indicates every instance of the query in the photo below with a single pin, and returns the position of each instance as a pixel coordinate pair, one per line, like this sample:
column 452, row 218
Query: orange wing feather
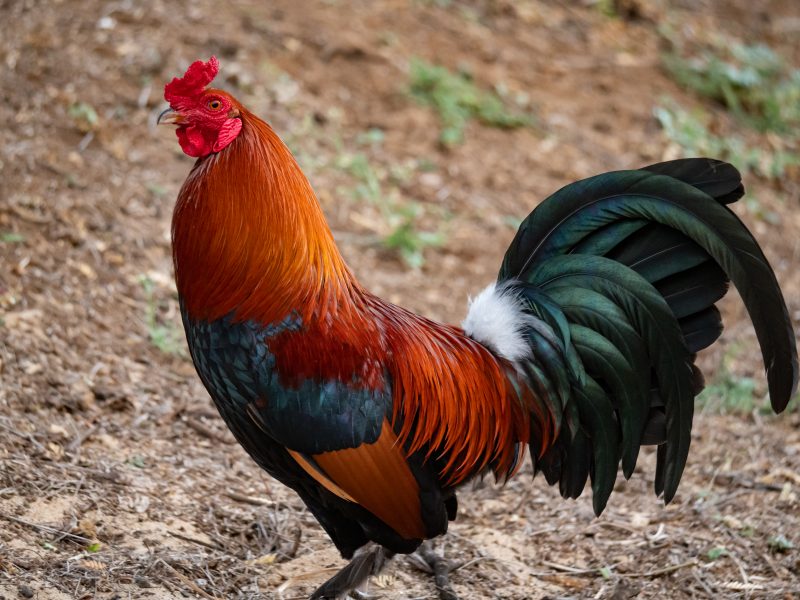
column 379, row 478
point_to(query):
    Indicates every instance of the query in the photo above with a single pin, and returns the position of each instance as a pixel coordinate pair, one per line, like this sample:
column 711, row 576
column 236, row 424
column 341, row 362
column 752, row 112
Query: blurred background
column 429, row 129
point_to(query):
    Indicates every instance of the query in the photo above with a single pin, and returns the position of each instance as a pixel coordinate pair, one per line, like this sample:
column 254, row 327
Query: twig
column 745, row 482
column 703, row 584
column 188, row 582
column 60, row 532
column 186, row 538
column 663, row 570
column 25, row 436
column 205, row 430
column 745, row 578
column 247, row 499
column 479, row 559
column 292, row 552
column 568, row 569
column 79, row 439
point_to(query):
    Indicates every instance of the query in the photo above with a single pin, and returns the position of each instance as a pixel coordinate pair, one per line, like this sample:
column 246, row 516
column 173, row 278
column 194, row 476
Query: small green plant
column 457, row 100
column 165, row 337
column 729, row 393
column 607, row 8
column 137, row 461
column 84, row 115
column 400, row 217
column 690, row 131
column 406, row 238
column 780, row 544
column 11, row 237
column 436, row 3
column 751, row 81
column 716, row 553
column 369, row 186
column 158, row 190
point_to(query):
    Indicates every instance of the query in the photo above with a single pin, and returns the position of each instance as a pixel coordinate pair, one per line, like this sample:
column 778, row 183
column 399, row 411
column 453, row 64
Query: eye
column 214, row 104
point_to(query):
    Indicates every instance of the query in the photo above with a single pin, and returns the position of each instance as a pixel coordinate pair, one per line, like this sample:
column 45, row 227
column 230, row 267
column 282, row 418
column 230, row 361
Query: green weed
column 607, row 8
column 779, row 544
column 167, row 337
column 729, row 393
column 690, row 131
column 11, row 237
column 457, row 100
column 716, row 552
column 751, row 81
column 400, row 216
column 407, row 238
column 84, row 115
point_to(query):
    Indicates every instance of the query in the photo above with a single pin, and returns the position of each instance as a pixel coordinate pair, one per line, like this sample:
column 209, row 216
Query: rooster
column 582, row 351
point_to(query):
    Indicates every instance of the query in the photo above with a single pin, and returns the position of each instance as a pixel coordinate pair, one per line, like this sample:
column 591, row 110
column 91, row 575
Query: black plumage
column 625, row 269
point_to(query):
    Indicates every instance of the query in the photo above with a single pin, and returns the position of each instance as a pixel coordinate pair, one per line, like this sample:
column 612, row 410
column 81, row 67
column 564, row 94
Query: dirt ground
column 118, row 479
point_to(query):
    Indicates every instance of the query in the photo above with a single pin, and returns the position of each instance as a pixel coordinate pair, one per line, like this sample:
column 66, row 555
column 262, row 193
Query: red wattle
column 192, row 141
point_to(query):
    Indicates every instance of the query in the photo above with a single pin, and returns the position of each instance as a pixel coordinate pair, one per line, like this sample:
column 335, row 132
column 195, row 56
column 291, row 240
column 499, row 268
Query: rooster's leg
column 440, row 567
column 368, row 560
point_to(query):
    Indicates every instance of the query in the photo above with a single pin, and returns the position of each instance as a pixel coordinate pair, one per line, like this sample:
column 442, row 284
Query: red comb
column 197, row 77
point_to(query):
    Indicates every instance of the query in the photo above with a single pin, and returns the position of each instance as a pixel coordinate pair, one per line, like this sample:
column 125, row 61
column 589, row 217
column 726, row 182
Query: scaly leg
column 439, row 567
column 368, row 560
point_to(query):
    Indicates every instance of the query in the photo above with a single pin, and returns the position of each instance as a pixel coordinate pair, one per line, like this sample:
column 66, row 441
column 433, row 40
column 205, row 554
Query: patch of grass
column 407, row 238
column 165, row 336
column 368, row 186
column 729, row 393
column 607, row 8
column 156, row 189
column 457, row 100
column 779, row 544
column 401, row 217
column 11, row 237
column 690, row 131
column 716, row 552
column 751, row 81
column 84, row 115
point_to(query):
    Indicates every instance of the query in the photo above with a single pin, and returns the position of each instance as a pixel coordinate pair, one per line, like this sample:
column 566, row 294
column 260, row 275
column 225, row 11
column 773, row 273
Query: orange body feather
column 250, row 240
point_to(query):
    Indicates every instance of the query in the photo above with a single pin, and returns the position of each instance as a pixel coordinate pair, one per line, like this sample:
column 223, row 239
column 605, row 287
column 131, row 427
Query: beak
column 170, row 117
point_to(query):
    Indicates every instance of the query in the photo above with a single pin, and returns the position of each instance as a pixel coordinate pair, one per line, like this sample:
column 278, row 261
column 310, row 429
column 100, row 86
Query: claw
column 368, row 560
column 440, row 567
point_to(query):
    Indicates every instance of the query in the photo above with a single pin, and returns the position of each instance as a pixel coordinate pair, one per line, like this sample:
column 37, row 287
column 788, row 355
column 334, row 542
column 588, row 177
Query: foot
column 438, row 566
column 368, row 560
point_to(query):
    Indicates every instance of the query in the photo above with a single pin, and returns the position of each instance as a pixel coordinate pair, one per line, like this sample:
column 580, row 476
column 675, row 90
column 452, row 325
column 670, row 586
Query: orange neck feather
column 249, row 237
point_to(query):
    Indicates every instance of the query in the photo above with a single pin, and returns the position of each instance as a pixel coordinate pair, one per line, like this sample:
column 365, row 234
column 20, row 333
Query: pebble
column 25, row 591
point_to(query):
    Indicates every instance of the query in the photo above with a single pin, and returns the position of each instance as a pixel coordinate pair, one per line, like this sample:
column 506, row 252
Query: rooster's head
column 207, row 119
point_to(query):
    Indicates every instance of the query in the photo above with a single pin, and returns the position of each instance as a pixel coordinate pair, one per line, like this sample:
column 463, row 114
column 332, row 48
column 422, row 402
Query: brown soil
column 117, row 478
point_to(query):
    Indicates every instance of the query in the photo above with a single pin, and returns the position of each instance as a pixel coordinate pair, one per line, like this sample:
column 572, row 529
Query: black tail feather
column 661, row 238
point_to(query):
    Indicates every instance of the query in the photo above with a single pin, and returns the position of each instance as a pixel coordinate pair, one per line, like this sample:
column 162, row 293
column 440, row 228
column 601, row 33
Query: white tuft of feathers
column 495, row 319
